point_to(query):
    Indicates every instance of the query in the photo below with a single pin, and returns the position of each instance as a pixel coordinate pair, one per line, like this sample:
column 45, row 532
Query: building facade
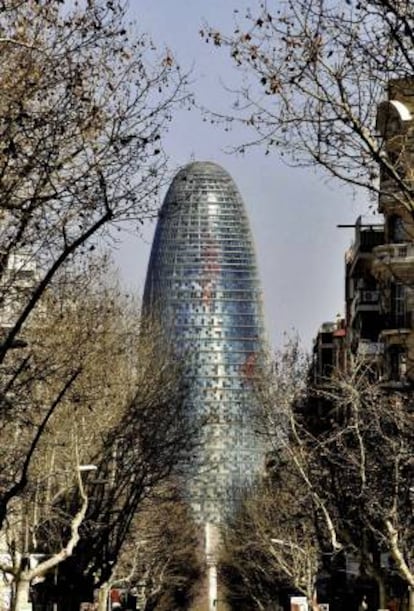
column 363, row 304
column 379, row 266
column 202, row 282
column 393, row 264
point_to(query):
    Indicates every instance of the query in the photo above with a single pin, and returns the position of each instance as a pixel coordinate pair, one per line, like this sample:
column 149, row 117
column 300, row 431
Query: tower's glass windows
column 203, row 279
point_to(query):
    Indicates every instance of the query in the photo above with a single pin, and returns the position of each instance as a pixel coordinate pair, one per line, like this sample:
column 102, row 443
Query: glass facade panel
column 202, row 279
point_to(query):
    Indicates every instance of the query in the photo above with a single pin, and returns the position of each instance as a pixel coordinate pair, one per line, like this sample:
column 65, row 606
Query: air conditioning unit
column 370, row 296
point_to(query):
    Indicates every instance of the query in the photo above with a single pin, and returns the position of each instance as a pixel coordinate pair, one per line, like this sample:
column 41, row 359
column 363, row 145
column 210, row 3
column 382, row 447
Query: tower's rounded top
column 203, row 183
column 202, row 167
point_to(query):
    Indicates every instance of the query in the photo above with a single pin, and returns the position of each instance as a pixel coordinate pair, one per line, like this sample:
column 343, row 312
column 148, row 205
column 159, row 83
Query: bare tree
column 162, row 559
column 20, row 571
column 83, row 319
column 149, row 444
column 271, row 543
column 314, row 73
column 121, row 418
column 354, row 468
column 280, row 384
column 84, row 105
column 364, row 472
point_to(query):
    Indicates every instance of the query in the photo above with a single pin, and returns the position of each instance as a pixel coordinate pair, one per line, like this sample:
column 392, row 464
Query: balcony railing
column 365, row 300
column 397, row 323
column 365, row 240
column 398, row 258
column 394, row 251
column 368, row 349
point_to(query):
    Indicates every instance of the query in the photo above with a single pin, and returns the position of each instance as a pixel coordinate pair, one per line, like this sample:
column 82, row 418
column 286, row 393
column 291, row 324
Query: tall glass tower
column 202, row 280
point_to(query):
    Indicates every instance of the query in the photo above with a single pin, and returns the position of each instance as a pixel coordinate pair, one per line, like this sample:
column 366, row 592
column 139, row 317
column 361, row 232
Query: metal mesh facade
column 202, row 279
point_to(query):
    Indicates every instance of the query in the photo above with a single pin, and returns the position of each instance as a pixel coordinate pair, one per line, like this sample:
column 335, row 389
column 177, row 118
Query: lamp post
column 211, row 543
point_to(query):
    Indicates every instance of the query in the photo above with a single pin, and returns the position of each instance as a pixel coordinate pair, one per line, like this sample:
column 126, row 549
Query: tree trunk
column 382, row 597
column 103, row 596
column 21, row 596
column 313, row 604
column 410, row 599
column 313, row 599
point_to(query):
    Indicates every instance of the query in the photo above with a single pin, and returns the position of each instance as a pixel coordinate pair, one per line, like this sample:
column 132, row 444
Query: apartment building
column 329, row 350
column 393, row 262
column 379, row 266
column 363, row 316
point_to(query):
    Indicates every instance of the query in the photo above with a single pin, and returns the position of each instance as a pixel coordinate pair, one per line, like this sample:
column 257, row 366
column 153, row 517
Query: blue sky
column 293, row 212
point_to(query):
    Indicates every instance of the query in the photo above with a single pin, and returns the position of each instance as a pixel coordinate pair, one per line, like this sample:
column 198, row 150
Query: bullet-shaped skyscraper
column 202, row 280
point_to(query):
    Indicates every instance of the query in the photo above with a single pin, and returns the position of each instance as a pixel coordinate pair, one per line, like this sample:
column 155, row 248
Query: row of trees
column 314, row 78
column 84, row 105
column 92, row 429
column 339, row 485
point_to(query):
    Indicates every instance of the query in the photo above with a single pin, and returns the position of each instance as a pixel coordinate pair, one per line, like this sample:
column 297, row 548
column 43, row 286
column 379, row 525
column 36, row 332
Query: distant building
column 18, row 277
column 203, row 283
column 329, row 355
column 363, row 312
column 329, row 350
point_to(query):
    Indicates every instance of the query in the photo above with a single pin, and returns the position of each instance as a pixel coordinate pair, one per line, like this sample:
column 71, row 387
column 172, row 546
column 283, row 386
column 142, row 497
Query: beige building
column 393, row 261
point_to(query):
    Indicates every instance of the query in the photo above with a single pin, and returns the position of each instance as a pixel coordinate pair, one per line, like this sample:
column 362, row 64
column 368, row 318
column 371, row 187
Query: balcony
column 367, row 236
column 394, row 260
column 365, row 301
column 395, row 336
column 396, row 331
column 369, row 350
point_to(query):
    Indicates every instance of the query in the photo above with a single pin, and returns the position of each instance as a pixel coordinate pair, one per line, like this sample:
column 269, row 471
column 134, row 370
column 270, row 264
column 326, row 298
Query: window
column 399, row 314
column 397, row 361
column 396, row 230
